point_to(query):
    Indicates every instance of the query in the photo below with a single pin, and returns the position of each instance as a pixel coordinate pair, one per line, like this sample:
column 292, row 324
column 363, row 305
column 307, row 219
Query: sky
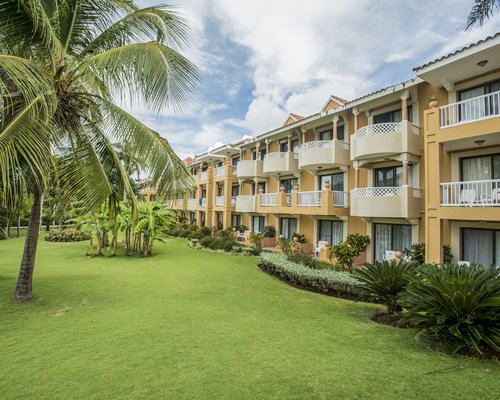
column 260, row 60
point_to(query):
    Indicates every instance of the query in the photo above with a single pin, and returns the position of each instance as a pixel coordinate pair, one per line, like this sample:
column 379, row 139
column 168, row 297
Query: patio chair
column 389, row 255
column 468, row 196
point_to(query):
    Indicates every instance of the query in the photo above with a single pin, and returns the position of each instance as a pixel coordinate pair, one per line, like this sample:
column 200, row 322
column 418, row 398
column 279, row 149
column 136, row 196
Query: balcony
column 249, row 169
column 220, row 171
column 191, row 204
column 387, row 202
column 382, row 140
column 203, row 202
column 269, row 199
column 245, row 204
column 324, row 153
column 219, row 201
column 484, row 193
column 280, row 163
column 470, row 110
column 203, row 175
column 316, row 199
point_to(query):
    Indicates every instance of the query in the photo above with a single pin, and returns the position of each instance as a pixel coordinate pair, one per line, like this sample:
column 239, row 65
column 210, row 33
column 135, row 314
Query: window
column 288, row 226
column 480, row 168
column 220, row 190
column 288, row 184
column 203, row 219
column 235, row 190
column 336, row 181
column 204, row 193
column 257, row 224
column 330, row 231
column 235, row 160
column 392, row 176
column 391, row 237
column 235, row 220
column 262, row 154
column 192, row 216
column 481, row 246
column 392, row 116
column 256, row 188
column 341, row 132
column 220, row 224
column 326, row 135
column 284, row 145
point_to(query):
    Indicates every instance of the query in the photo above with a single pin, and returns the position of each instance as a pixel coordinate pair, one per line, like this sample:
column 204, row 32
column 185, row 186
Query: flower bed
column 334, row 283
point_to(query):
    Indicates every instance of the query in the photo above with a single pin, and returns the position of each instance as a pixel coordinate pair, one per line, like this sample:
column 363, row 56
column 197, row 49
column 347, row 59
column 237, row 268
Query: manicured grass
column 187, row 324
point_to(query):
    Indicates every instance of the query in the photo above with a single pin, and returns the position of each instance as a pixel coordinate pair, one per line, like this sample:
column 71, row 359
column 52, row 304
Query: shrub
column 206, row 231
column 205, row 241
column 385, row 280
column 307, row 260
column 214, row 243
column 67, row 235
column 242, row 228
column 196, row 235
column 288, row 246
column 256, row 240
column 269, row 231
column 457, row 304
column 346, row 251
column 340, row 283
column 417, row 253
column 299, row 237
column 447, row 254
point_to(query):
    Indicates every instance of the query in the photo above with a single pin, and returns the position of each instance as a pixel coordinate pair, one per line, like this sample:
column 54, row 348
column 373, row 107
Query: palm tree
column 481, row 11
column 64, row 66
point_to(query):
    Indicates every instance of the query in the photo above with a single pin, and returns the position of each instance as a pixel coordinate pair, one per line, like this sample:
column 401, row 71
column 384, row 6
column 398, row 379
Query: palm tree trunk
column 24, row 289
column 18, row 225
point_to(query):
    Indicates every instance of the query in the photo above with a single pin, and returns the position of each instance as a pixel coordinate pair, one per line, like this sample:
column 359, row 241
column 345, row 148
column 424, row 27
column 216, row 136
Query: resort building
column 389, row 164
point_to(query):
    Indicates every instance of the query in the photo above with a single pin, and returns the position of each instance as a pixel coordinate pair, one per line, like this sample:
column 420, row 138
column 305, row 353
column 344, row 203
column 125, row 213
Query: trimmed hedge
column 67, row 235
column 335, row 283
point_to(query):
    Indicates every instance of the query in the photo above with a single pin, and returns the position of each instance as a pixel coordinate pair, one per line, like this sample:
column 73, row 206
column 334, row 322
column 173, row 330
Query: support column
column 289, row 142
column 267, row 146
column 303, row 135
column 405, row 171
column 257, row 146
column 356, row 175
column 355, row 111
column 404, row 106
column 335, row 121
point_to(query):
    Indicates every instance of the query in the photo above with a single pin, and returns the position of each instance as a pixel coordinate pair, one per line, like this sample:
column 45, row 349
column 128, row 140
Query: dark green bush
column 206, row 231
column 457, row 304
column 215, row 243
column 196, row 235
column 67, row 235
column 269, row 231
column 307, row 260
column 385, row 280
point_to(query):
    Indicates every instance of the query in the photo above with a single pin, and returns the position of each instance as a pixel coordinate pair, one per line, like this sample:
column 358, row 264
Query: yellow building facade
column 388, row 164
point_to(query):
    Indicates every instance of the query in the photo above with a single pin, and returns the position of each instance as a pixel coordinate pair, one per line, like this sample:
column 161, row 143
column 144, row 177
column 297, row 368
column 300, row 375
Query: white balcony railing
column 245, row 203
column 269, row 199
column 179, row 202
column 273, row 156
column 485, row 193
column 475, row 109
column 379, row 129
column 377, row 192
column 191, row 204
column 323, row 144
column 219, row 201
column 309, row 199
column 203, row 175
column 220, row 171
column 340, row 199
column 170, row 203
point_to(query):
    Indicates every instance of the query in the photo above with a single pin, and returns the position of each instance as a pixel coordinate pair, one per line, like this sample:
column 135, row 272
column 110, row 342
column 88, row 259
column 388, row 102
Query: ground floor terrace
column 190, row 324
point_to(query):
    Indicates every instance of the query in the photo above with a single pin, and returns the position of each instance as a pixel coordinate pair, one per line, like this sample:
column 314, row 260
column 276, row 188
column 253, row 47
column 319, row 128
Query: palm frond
column 481, row 11
column 154, row 72
column 152, row 152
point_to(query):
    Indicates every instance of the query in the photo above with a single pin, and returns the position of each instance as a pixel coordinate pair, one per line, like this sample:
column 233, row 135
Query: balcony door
column 472, row 110
column 288, row 226
column 284, row 145
column 481, row 246
column 235, row 220
column 336, row 181
column 288, row 184
column 330, row 231
column 392, row 176
column 257, row 224
column 392, row 116
column 480, row 168
column 390, row 237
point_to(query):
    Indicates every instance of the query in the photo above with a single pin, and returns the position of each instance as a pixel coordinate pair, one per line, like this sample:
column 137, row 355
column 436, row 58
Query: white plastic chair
column 468, row 196
column 464, row 263
column 321, row 244
column 389, row 255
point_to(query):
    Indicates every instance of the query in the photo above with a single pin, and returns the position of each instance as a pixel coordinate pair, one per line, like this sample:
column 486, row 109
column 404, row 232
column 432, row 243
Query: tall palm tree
column 64, row 66
column 481, row 11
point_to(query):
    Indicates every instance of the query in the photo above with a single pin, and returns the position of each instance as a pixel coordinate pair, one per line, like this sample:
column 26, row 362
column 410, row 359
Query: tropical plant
column 63, row 65
column 481, row 12
column 256, row 239
column 269, row 231
column 385, row 280
column 458, row 304
column 299, row 238
column 345, row 252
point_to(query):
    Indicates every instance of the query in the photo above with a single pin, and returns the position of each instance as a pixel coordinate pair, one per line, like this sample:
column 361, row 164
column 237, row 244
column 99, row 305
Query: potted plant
column 269, row 239
column 433, row 102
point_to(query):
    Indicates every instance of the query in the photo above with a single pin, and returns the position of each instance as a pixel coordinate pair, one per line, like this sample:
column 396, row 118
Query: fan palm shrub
column 65, row 66
column 458, row 304
column 384, row 281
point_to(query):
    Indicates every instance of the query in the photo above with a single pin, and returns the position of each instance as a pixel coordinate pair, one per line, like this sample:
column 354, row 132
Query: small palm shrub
column 256, row 240
column 384, row 281
column 458, row 304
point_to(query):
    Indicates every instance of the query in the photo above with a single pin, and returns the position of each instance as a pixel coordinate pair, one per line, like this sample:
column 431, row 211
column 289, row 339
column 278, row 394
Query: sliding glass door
column 390, row 237
column 481, row 246
column 330, row 231
column 288, row 226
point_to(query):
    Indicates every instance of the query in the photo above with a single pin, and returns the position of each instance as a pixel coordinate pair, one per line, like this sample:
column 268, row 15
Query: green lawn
column 187, row 324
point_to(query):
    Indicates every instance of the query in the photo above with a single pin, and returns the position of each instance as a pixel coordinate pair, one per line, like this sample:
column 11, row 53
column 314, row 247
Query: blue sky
column 261, row 59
